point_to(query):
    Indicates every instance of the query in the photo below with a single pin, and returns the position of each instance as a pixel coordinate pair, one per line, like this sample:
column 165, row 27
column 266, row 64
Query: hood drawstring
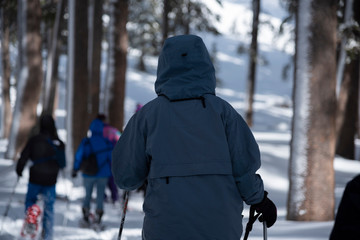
column 202, row 98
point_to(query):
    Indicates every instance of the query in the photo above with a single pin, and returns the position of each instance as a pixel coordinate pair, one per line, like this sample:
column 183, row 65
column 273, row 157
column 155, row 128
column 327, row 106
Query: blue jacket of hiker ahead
column 98, row 144
column 196, row 152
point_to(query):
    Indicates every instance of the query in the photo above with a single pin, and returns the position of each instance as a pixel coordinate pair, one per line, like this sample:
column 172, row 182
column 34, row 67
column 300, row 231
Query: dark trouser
column 49, row 195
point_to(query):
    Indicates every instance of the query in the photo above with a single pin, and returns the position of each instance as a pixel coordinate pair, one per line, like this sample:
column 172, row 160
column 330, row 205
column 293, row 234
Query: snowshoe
column 91, row 222
column 87, row 221
column 98, row 227
column 31, row 223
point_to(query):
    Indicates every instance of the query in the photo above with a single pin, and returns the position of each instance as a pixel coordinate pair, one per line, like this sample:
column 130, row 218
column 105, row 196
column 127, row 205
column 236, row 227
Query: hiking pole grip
column 252, row 219
column 123, row 214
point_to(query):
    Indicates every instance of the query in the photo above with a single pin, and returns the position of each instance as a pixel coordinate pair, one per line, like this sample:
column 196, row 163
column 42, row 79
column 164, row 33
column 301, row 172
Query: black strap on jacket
column 44, row 159
column 96, row 152
column 202, row 98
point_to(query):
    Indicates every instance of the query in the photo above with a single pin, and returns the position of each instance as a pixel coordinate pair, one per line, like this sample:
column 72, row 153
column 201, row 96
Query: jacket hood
column 47, row 125
column 185, row 69
column 96, row 127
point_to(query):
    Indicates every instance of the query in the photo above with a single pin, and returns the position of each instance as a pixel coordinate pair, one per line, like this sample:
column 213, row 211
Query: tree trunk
column 165, row 27
column 30, row 76
column 356, row 12
column 348, row 13
column 141, row 63
column 5, row 57
column 252, row 62
column 95, row 36
column 187, row 18
column 80, row 117
column 110, row 67
column 69, row 151
column 51, row 77
column 347, row 111
column 117, row 96
column 311, row 172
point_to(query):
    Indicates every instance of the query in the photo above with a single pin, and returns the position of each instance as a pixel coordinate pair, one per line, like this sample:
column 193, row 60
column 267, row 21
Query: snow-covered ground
column 272, row 127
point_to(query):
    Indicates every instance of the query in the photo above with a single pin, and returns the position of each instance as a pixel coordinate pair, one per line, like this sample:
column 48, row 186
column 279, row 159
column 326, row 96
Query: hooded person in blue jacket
column 102, row 147
column 196, row 152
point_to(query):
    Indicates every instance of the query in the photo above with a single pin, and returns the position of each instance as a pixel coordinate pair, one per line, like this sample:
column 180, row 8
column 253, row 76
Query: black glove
column 74, row 174
column 19, row 173
column 268, row 210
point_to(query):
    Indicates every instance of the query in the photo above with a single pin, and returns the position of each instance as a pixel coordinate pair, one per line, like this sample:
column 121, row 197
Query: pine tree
column 145, row 32
column 190, row 15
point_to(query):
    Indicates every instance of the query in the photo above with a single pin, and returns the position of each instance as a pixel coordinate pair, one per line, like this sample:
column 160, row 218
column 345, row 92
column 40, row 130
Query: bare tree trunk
column 347, row 111
column 311, row 172
column 110, row 69
column 186, row 17
column 342, row 51
column 30, row 76
column 165, row 27
column 252, row 63
column 95, row 36
column 80, row 114
column 51, row 77
column 70, row 148
column 5, row 57
column 117, row 97
column 356, row 11
column 358, row 110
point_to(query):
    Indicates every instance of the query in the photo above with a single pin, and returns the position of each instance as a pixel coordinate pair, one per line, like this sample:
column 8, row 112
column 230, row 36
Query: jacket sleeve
column 130, row 165
column 245, row 157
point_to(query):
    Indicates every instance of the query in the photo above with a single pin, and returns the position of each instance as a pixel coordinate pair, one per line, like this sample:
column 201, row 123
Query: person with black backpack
column 47, row 153
column 93, row 158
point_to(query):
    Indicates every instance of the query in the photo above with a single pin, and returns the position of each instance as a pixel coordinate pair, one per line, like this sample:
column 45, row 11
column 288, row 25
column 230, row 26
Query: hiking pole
column 67, row 195
column 8, row 205
column 265, row 230
column 123, row 214
column 252, row 219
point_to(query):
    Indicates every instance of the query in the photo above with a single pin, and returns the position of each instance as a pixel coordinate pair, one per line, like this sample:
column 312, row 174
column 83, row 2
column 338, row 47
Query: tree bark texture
column 51, row 79
column 311, row 193
column 346, row 121
column 165, row 27
column 80, row 117
column 356, row 12
column 117, row 97
column 94, row 70
column 252, row 63
column 7, row 112
column 29, row 98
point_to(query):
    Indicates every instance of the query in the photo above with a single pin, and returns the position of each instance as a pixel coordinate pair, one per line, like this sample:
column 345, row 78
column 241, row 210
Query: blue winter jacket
column 98, row 144
column 196, row 152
